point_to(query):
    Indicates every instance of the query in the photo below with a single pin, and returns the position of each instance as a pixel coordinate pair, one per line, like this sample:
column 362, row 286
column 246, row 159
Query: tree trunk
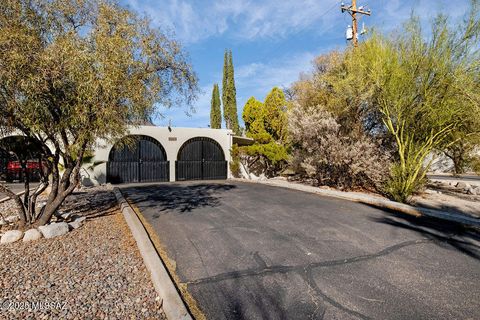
column 18, row 203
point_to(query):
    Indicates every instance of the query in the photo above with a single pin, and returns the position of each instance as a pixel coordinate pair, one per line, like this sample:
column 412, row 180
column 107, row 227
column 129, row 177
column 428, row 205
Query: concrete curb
column 173, row 304
column 372, row 200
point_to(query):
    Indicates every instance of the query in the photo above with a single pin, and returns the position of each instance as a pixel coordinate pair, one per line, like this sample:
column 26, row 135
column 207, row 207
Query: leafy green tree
column 215, row 111
column 76, row 72
column 339, row 91
column 415, row 93
column 267, row 124
column 275, row 115
column 424, row 88
column 229, row 95
column 463, row 144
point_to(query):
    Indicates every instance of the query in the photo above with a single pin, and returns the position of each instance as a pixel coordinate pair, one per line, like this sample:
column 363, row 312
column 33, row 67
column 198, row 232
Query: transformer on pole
column 352, row 31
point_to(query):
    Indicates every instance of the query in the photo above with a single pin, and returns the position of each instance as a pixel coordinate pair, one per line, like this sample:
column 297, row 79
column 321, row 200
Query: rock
column 470, row 191
column 77, row 223
column 87, row 182
column 32, row 234
column 2, row 221
column 54, row 229
column 462, row 185
column 11, row 236
column 11, row 219
column 65, row 215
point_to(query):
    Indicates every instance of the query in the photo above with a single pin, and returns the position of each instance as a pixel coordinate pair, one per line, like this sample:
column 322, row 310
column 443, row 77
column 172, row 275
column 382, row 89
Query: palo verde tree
column 229, row 94
column 76, row 72
column 215, row 111
column 424, row 87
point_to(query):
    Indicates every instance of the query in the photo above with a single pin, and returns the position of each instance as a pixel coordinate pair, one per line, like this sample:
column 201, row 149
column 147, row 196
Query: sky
column 273, row 41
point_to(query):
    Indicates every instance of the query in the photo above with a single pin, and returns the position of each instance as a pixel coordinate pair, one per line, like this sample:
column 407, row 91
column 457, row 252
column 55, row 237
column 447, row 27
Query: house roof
column 243, row 141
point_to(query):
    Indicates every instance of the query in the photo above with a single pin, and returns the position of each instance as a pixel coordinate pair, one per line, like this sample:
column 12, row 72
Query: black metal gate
column 143, row 159
column 201, row 158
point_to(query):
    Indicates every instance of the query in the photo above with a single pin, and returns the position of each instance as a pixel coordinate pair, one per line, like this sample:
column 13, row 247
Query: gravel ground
column 444, row 196
column 92, row 272
column 7, row 208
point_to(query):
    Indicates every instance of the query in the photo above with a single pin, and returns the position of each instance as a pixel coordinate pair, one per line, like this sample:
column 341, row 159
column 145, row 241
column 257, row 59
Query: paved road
column 249, row 251
column 16, row 187
column 463, row 177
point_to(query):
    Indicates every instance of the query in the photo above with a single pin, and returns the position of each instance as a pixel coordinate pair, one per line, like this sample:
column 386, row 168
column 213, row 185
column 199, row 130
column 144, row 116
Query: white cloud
column 193, row 21
column 272, row 19
column 257, row 79
column 197, row 20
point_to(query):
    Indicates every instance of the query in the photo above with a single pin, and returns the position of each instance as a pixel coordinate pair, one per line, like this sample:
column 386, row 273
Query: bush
column 235, row 163
column 475, row 164
column 267, row 124
column 329, row 157
column 400, row 186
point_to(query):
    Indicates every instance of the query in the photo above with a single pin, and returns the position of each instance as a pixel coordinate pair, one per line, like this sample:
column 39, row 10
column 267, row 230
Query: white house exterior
column 172, row 140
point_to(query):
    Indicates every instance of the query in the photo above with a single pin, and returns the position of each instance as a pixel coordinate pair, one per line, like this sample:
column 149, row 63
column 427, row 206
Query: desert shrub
column 475, row 164
column 400, row 186
column 235, row 163
column 323, row 153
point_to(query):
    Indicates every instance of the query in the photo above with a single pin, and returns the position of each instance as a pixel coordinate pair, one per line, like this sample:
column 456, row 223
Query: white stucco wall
column 171, row 142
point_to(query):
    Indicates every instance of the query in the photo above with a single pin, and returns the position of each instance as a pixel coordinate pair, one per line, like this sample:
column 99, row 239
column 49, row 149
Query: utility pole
column 353, row 10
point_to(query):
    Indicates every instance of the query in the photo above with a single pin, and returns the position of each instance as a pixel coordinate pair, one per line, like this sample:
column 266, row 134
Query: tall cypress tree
column 215, row 112
column 233, row 97
column 225, row 91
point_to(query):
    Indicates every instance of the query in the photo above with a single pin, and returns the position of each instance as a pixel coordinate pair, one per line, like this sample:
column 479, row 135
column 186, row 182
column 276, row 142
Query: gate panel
column 154, row 171
column 143, row 160
column 215, row 170
column 188, row 170
column 201, row 159
column 122, row 172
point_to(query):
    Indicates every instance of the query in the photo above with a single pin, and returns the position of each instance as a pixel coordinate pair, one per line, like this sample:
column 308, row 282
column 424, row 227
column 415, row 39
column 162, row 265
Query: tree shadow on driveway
column 180, row 198
column 447, row 234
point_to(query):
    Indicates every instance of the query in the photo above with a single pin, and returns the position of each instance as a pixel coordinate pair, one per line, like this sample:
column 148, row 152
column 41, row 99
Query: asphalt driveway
column 250, row 251
column 16, row 187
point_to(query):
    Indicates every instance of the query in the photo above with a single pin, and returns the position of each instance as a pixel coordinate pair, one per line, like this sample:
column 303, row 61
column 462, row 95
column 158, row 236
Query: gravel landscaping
column 92, row 272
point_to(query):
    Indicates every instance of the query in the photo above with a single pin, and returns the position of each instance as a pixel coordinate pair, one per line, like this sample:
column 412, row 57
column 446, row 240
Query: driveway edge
column 173, row 305
column 8, row 198
column 371, row 200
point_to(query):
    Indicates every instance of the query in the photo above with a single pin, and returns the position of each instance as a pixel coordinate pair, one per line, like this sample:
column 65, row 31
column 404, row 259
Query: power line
column 329, row 9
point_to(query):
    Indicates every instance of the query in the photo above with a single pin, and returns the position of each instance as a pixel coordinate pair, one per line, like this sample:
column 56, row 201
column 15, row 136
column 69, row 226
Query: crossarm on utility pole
column 353, row 10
